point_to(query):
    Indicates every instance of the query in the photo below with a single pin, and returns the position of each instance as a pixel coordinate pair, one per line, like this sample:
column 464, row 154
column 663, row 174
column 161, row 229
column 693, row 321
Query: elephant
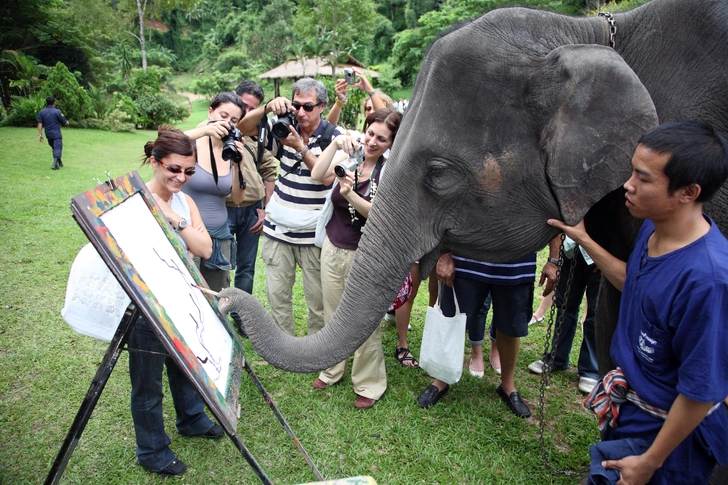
column 517, row 117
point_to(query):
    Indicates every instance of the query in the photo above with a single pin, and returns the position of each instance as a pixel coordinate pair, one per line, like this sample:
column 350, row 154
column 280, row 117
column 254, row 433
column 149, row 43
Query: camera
column 351, row 164
column 280, row 127
column 349, row 76
column 229, row 150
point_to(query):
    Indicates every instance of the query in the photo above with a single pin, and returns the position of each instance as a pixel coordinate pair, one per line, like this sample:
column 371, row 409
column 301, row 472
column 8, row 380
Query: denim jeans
column 585, row 280
column 240, row 220
column 145, row 370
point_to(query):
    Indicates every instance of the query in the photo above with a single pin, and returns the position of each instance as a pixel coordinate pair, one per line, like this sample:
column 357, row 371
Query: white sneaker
column 586, row 384
column 389, row 318
column 537, row 367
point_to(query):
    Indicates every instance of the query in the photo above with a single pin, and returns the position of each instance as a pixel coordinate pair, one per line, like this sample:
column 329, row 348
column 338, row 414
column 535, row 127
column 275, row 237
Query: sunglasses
column 308, row 107
column 176, row 170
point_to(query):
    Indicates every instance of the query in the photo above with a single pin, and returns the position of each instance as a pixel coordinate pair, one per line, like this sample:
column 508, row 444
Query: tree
column 342, row 22
column 70, row 96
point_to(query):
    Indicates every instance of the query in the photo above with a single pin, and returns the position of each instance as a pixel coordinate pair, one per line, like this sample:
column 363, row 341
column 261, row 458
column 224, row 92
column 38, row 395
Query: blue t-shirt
column 672, row 337
column 52, row 120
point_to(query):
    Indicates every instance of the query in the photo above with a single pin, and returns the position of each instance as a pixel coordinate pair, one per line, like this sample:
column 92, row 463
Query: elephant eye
column 442, row 177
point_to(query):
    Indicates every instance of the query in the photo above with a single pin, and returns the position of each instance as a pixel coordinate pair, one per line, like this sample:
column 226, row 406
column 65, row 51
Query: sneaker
column 213, row 433
column 390, row 318
column 175, row 468
column 537, row 367
column 586, row 384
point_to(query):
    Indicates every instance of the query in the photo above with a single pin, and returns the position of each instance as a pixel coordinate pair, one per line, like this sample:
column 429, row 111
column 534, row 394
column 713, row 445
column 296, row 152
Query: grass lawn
column 46, row 368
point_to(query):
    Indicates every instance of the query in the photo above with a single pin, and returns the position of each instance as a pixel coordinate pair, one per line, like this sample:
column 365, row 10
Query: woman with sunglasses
column 214, row 178
column 352, row 198
column 172, row 157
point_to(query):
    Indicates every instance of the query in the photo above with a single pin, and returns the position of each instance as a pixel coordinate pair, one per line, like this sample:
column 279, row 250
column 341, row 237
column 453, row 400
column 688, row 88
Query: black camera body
column 229, row 150
column 280, row 128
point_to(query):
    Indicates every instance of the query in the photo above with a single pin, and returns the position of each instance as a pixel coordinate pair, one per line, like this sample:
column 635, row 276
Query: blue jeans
column 240, row 220
column 585, row 280
column 145, row 370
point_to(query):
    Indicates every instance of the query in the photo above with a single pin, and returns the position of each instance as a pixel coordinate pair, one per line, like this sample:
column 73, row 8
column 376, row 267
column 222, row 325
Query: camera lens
column 340, row 171
column 280, row 127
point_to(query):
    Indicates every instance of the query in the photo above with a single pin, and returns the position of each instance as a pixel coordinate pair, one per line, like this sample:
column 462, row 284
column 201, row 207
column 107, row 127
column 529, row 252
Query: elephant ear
column 595, row 110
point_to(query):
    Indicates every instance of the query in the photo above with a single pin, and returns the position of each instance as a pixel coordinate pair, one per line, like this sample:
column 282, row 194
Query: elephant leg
column 607, row 316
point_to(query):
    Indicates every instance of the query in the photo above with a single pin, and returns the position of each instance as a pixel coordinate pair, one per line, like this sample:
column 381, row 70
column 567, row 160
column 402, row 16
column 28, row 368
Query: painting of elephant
column 518, row 117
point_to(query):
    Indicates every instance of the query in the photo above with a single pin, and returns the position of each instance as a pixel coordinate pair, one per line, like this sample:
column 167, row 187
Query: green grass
column 46, row 368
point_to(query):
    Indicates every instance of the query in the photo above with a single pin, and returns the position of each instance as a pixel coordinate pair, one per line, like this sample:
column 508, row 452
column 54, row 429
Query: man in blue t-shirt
column 52, row 119
column 671, row 340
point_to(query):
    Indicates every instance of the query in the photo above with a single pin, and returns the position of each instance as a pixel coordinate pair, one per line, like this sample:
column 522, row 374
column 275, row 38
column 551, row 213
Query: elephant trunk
column 376, row 276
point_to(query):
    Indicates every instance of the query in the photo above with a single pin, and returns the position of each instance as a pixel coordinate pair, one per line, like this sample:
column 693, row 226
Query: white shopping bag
column 443, row 343
column 95, row 302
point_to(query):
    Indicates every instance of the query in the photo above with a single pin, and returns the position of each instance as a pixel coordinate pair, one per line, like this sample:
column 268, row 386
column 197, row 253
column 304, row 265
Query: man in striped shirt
column 297, row 200
column 511, row 286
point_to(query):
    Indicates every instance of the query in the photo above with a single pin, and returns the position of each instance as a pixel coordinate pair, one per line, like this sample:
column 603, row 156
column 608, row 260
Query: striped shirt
column 295, row 188
column 513, row 273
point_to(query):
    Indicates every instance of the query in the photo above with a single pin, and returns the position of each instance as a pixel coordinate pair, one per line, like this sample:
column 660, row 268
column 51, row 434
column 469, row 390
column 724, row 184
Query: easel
column 222, row 399
column 94, row 392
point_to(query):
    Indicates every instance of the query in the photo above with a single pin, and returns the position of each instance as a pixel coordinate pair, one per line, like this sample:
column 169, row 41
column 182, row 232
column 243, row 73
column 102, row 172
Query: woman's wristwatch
column 181, row 225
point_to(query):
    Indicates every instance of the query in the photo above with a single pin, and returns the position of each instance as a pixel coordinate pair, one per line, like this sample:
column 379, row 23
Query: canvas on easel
column 130, row 233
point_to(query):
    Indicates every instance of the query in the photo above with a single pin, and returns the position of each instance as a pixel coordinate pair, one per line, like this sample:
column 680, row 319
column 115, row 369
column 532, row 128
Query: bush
column 109, row 124
column 229, row 60
column 125, row 108
column 156, row 109
column 387, row 81
column 24, row 111
column 145, row 83
column 71, row 98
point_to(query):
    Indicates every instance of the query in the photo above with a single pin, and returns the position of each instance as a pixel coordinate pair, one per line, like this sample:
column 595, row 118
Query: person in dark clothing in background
column 52, row 119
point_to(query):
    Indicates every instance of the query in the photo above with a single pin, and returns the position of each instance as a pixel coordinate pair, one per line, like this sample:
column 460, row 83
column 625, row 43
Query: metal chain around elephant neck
column 547, row 368
column 612, row 27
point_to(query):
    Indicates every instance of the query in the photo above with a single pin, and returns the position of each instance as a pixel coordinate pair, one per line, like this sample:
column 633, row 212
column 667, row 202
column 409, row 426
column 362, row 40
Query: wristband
column 340, row 104
column 553, row 261
column 372, row 93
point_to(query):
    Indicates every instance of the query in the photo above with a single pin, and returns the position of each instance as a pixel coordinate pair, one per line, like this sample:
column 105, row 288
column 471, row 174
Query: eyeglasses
column 176, row 170
column 368, row 108
column 308, row 107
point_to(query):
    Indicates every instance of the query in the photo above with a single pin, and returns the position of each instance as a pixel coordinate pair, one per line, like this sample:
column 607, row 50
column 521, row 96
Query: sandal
column 406, row 356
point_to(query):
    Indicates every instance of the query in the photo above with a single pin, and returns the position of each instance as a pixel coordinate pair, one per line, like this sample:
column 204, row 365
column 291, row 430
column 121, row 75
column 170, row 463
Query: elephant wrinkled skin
column 517, row 117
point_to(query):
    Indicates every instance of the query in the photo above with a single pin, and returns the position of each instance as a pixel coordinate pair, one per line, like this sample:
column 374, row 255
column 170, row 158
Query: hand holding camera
column 230, row 149
column 352, row 163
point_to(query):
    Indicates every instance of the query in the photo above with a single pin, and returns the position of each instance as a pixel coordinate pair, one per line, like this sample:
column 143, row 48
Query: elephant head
column 517, row 117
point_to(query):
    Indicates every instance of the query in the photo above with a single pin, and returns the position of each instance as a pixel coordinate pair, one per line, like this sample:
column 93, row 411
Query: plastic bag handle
column 454, row 297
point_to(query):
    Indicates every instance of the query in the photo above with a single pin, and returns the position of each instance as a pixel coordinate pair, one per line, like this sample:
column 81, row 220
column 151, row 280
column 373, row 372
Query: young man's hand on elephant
column 613, row 268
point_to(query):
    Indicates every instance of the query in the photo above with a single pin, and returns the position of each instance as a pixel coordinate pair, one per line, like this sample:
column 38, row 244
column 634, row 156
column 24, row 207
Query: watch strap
column 553, row 261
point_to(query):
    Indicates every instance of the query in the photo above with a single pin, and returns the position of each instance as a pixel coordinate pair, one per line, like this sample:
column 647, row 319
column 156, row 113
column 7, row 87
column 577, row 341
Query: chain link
column 612, row 27
column 546, row 369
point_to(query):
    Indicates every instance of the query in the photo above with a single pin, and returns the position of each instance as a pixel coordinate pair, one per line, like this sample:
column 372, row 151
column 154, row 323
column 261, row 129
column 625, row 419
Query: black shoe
column 60, row 163
column 431, row 395
column 173, row 469
column 213, row 433
column 514, row 403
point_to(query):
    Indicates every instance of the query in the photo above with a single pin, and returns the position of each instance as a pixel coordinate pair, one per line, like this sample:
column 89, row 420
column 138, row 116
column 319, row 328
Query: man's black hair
column 698, row 155
column 50, row 100
column 250, row 87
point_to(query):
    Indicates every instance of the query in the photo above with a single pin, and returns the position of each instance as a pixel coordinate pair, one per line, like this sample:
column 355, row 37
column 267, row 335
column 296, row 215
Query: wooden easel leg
column 93, row 394
column 251, row 460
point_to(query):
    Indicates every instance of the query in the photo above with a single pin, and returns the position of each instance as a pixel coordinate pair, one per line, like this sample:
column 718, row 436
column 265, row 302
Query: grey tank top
column 210, row 198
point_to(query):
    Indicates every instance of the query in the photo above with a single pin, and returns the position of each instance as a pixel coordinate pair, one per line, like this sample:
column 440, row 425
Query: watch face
column 182, row 224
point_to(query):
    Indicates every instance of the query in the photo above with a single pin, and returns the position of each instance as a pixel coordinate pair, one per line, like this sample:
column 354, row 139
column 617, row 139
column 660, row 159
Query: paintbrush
column 206, row 290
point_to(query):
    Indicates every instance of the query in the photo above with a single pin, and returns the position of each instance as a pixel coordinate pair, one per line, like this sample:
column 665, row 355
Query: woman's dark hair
column 227, row 97
column 169, row 141
column 698, row 155
column 389, row 116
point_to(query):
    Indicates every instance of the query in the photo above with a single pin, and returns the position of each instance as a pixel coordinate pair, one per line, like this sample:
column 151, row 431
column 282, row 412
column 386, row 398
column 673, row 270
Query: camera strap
column 213, row 163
